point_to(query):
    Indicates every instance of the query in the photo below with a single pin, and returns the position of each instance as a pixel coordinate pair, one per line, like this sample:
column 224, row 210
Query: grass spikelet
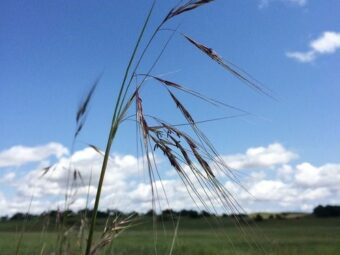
column 198, row 95
column 183, row 151
column 184, row 111
column 140, row 117
column 243, row 76
column 83, row 108
column 168, row 83
column 188, row 6
column 96, row 149
column 47, row 169
column 161, row 144
column 112, row 230
column 204, row 164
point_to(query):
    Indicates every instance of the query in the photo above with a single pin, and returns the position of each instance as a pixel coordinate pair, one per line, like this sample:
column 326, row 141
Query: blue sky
column 51, row 52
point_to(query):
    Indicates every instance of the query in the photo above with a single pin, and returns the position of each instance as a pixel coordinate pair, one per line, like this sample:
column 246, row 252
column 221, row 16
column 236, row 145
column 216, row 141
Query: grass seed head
column 188, row 6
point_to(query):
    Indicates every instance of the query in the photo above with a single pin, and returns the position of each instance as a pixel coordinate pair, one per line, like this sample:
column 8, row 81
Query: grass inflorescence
column 189, row 152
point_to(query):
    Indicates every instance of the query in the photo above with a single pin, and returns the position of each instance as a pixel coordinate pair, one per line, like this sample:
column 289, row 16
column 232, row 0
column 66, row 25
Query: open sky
column 287, row 149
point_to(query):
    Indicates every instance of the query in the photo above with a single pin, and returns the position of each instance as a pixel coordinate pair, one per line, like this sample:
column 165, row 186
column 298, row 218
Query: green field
column 306, row 235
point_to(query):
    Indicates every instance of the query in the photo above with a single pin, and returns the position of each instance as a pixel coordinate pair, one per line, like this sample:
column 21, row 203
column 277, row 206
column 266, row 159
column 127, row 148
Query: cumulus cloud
column 285, row 173
column 274, row 190
column 8, row 177
column 324, row 176
column 88, row 163
column 126, row 186
column 20, row 155
column 327, row 43
column 271, row 184
column 261, row 157
column 293, row 188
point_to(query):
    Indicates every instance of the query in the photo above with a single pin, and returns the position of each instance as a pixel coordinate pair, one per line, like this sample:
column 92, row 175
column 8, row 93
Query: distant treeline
column 327, row 211
column 319, row 211
column 104, row 214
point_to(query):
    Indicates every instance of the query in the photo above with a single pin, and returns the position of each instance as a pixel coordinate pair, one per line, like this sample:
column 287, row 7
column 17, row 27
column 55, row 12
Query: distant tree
column 68, row 213
column 101, row 214
column 133, row 214
column 52, row 214
column 279, row 217
column 114, row 212
column 189, row 213
column 240, row 216
column 169, row 212
column 205, row 214
column 4, row 218
column 326, row 211
column 18, row 216
column 258, row 218
column 83, row 212
column 150, row 213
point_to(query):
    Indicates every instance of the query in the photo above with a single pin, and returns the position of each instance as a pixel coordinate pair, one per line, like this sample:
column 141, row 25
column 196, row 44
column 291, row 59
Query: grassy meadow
column 307, row 235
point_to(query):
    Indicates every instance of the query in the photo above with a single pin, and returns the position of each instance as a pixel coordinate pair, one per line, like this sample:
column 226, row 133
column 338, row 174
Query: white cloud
column 283, row 187
column 265, row 3
column 315, row 193
column 303, row 57
column 261, row 157
column 125, row 186
column 20, row 155
column 88, row 163
column 273, row 190
column 3, row 203
column 327, row 43
column 285, row 173
column 293, row 188
column 324, row 176
column 10, row 176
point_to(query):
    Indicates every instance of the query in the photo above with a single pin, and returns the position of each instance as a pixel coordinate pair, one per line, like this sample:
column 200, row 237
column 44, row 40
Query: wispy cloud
column 327, row 43
column 265, row 3
column 299, row 2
